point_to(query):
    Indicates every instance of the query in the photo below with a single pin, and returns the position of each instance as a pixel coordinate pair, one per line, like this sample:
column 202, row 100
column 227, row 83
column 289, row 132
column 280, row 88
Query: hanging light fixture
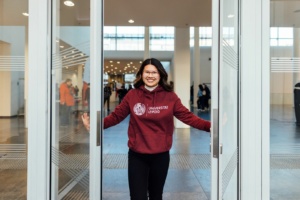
column 69, row 3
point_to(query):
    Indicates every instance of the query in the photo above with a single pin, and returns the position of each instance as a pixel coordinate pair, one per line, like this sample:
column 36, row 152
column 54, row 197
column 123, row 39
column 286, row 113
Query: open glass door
column 76, row 69
column 225, row 100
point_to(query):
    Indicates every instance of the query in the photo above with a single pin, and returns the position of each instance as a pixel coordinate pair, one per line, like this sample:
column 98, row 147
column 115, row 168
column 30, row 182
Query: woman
column 151, row 106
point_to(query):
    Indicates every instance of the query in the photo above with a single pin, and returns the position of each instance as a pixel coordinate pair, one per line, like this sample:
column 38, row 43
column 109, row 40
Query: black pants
column 107, row 99
column 147, row 174
column 200, row 103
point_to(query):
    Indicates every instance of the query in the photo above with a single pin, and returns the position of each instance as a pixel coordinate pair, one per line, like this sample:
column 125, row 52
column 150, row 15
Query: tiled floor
column 189, row 174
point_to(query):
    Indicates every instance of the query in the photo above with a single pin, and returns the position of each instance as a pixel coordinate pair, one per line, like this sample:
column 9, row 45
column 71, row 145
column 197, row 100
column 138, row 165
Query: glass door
column 75, row 88
column 13, row 99
column 225, row 100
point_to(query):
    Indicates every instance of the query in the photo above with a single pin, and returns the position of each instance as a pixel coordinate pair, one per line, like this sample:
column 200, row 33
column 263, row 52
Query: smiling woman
column 151, row 107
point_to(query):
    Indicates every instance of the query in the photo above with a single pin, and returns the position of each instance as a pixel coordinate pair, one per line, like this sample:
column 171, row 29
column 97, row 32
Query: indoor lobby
column 246, row 51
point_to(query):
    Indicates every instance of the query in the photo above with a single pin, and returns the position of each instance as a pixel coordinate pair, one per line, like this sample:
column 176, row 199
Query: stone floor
column 189, row 175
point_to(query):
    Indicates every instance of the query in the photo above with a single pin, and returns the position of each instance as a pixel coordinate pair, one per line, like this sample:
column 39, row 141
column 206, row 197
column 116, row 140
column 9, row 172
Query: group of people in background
column 68, row 93
column 121, row 92
column 203, row 98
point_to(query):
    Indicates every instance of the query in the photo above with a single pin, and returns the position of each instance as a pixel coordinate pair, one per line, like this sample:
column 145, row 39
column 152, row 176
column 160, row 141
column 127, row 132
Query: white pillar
column 5, row 82
column 38, row 97
column 196, row 66
column 182, row 69
column 147, row 43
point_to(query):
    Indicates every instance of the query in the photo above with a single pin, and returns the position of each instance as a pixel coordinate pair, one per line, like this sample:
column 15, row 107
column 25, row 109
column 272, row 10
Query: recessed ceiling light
column 25, row 14
column 131, row 21
column 61, row 46
column 230, row 16
column 69, row 3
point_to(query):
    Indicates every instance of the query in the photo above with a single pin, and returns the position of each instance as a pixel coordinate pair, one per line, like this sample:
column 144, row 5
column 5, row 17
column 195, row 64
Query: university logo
column 139, row 109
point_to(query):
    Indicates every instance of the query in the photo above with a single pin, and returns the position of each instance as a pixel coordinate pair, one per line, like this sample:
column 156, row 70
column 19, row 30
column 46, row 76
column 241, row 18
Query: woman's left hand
column 86, row 121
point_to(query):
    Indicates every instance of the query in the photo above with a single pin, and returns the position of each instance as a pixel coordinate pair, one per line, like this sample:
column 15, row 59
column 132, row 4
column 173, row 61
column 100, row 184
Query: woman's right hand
column 86, row 121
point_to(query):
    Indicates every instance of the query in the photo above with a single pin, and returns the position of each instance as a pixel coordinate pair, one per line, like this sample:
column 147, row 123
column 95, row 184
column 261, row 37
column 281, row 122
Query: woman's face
column 151, row 76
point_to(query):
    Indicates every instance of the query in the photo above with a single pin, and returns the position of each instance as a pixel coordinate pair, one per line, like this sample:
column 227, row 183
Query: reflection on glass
column 70, row 99
column 284, row 102
column 228, row 113
column 13, row 100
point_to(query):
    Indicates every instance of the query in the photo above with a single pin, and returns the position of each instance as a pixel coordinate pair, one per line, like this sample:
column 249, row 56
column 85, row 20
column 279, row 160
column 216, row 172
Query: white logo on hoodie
column 139, row 109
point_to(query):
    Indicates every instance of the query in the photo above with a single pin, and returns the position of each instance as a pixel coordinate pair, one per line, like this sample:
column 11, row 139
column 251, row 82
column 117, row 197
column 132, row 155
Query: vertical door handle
column 98, row 128
column 215, row 133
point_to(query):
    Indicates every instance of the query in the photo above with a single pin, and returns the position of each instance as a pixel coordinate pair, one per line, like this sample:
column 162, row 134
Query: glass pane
column 284, row 101
column 13, row 99
column 70, row 98
column 228, row 113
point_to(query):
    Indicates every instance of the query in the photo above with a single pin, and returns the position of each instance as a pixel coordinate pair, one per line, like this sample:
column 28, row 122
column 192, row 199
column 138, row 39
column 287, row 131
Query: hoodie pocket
column 151, row 143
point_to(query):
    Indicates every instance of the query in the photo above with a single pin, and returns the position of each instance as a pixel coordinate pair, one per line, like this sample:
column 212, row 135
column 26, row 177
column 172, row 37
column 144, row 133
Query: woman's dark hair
column 163, row 82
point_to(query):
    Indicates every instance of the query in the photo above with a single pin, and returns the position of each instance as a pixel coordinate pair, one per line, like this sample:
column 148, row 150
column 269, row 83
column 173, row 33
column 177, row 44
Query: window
column 281, row 36
column 161, row 38
column 205, row 34
column 122, row 38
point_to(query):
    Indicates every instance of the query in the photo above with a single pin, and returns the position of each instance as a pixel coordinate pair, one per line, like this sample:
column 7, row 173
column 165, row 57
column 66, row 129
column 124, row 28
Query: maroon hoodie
column 151, row 122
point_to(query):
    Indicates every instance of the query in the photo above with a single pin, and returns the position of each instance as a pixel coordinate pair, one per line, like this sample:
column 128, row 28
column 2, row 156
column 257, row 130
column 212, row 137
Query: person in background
column 121, row 93
column 107, row 94
column 200, row 100
column 192, row 94
column 206, row 97
column 87, row 97
column 129, row 87
column 66, row 101
column 76, row 90
column 151, row 105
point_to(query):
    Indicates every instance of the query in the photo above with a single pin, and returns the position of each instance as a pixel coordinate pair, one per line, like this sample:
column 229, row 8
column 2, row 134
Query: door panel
column 13, row 102
column 76, row 154
column 226, row 82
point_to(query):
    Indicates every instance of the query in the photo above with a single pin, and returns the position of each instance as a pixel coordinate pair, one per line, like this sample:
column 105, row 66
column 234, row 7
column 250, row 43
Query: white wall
column 14, row 37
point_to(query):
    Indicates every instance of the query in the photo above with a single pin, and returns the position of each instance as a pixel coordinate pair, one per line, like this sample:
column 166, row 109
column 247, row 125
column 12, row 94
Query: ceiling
column 177, row 13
